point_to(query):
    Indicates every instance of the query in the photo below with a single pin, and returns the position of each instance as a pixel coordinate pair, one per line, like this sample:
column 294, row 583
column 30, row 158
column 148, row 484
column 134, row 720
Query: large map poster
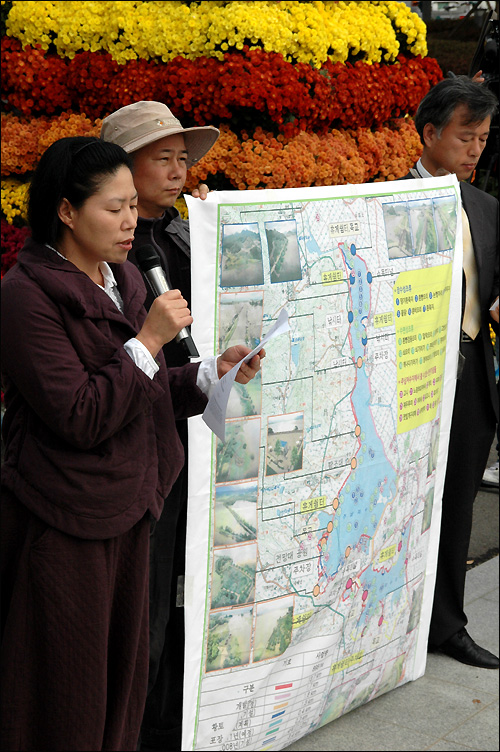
column 313, row 527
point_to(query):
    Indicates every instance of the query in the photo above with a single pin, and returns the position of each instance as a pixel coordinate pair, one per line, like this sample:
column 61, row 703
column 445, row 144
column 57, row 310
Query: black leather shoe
column 462, row 647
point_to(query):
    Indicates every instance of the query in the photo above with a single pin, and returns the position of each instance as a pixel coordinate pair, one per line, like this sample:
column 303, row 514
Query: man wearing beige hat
column 163, row 151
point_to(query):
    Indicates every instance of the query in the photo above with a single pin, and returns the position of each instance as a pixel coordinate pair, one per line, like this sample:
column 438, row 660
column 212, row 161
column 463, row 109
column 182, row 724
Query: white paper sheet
column 214, row 414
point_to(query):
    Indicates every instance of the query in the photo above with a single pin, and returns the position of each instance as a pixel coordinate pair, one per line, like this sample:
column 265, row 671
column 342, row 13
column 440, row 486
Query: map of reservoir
column 322, row 493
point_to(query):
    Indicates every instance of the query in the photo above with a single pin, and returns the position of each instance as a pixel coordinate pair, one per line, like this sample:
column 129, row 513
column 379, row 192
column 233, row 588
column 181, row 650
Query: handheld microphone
column 150, row 266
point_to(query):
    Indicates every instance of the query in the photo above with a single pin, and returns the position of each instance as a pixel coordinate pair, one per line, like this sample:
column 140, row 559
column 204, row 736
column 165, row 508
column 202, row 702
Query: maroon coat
column 90, row 440
column 91, row 451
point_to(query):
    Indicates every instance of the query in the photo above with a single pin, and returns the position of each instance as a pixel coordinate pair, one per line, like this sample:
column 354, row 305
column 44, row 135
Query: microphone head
column 147, row 258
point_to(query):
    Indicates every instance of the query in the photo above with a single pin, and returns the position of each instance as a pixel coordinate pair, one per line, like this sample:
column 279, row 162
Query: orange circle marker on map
column 329, row 527
column 335, row 503
column 347, row 552
column 360, row 362
column 357, row 430
column 316, row 590
column 354, row 462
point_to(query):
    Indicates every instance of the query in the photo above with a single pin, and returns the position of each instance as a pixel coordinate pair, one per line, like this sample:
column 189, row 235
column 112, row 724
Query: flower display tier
column 241, row 88
column 304, row 93
column 303, row 32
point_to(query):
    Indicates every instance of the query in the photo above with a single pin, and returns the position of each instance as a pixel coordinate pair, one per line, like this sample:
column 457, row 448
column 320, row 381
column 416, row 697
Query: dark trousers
column 162, row 722
column 472, row 432
column 74, row 635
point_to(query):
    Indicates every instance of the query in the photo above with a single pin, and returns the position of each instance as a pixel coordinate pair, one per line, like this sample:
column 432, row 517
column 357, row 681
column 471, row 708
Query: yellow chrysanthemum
column 14, row 199
column 303, row 32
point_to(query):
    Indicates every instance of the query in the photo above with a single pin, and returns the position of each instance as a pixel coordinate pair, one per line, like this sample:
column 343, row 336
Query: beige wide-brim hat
column 141, row 123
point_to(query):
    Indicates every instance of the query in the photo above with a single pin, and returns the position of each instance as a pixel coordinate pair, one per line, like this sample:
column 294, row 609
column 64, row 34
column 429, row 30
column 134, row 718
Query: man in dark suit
column 453, row 121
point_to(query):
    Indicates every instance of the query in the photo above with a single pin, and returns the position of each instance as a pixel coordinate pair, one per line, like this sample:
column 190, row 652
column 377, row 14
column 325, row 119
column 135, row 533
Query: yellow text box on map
column 383, row 319
column 310, row 505
column 346, row 662
column 421, row 303
column 387, row 553
column 333, row 277
column 300, row 619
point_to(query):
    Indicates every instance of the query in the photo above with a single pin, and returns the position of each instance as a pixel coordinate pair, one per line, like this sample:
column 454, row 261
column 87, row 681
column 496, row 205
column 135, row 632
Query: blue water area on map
column 295, row 348
column 372, row 483
column 312, row 245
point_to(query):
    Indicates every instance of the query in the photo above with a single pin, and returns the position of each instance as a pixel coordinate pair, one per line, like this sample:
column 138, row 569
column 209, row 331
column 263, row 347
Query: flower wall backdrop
column 305, row 93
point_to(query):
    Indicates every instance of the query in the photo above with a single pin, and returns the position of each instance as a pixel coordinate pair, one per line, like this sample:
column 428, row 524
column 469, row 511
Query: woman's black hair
column 438, row 106
column 73, row 168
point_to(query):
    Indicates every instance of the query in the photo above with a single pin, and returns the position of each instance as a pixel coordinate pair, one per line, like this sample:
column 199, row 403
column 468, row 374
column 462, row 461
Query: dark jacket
column 169, row 235
column 90, row 440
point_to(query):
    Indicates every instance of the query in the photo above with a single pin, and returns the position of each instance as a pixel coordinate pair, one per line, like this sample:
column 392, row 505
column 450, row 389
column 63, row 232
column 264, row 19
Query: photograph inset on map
column 273, row 628
column 240, row 322
column 391, row 676
column 235, row 513
column 397, row 228
column 233, row 578
column 229, row 634
column 445, row 217
column 416, row 608
column 432, row 459
column 335, row 702
column 241, row 261
column 361, row 693
column 245, row 399
column 428, row 504
column 285, row 438
column 238, row 455
column 283, row 246
column 422, row 226
column 240, row 319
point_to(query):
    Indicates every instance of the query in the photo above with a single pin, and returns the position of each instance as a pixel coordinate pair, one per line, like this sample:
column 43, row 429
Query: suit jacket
column 482, row 212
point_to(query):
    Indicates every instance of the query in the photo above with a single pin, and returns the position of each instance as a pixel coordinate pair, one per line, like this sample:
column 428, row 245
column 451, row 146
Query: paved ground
column 485, row 524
